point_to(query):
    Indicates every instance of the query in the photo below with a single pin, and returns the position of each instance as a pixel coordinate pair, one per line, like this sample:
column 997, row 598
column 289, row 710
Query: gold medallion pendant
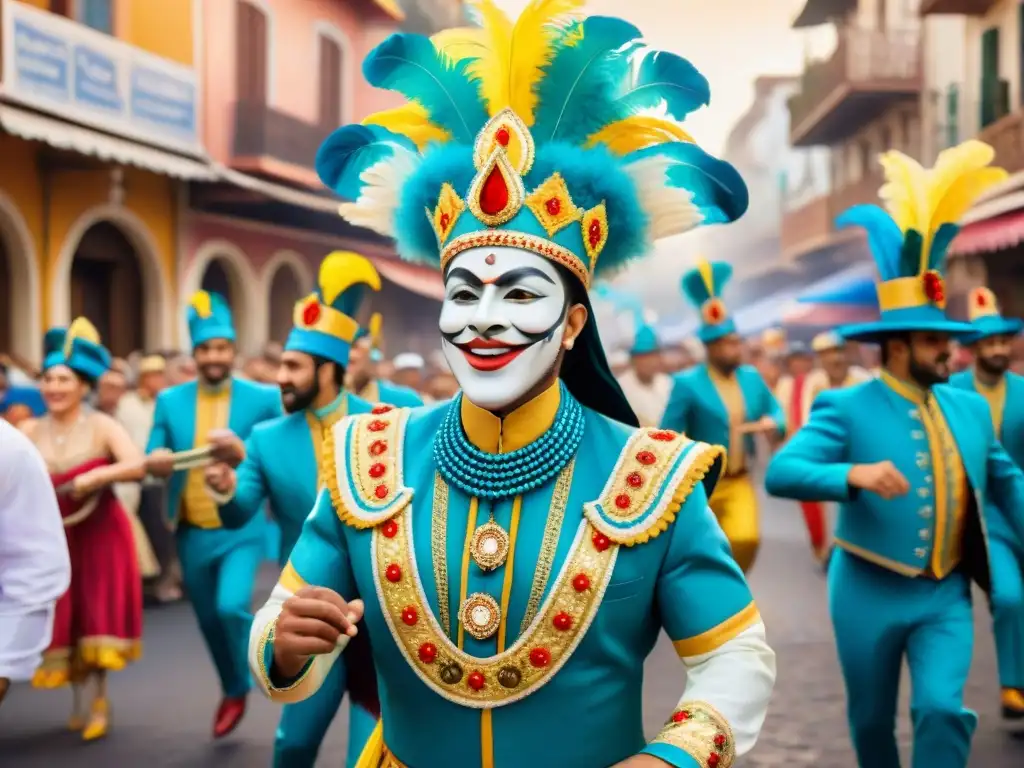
column 489, row 546
column 480, row 615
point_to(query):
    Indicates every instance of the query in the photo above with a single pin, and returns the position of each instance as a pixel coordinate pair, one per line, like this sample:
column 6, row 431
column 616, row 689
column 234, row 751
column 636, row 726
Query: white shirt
column 34, row 566
column 647, row 400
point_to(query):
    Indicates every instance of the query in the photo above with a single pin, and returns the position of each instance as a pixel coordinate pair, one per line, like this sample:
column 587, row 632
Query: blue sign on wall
column 163, row 101
column 42, row 61
column 96, row 80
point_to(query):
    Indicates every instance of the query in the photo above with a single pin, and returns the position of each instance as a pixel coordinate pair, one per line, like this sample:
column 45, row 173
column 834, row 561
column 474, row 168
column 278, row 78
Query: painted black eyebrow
column 515, row 275
column 465, row 275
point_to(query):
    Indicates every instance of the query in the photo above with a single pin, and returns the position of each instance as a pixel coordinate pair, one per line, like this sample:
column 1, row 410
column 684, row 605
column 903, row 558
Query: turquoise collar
column 322, row 413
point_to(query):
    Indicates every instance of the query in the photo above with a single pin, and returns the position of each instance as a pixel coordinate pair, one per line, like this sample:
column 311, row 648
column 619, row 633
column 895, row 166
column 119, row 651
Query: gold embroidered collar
column 520, row 428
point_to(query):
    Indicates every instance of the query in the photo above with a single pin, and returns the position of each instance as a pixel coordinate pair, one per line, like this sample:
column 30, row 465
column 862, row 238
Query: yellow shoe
column 50, row 678
column 99, row 721
column 1013, row 704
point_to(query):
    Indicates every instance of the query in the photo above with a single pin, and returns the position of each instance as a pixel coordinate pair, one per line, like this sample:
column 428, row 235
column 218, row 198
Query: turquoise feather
column 885, row 238
column 941, row 241
column 910, row 253
column 718, row 190
column 697, row 292
column 349, row 300
column 350, row 150
column 670, row 79
column 412, row 66
column 572, row 99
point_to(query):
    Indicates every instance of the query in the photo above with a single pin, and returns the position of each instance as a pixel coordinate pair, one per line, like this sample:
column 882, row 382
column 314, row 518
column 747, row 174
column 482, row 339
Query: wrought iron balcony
column 262, row 132
column 956, row 7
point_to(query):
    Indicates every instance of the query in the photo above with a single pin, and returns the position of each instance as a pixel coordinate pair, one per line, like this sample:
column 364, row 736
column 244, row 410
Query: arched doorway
column 217, row 280
column 21, row 334
column 107, row 288
column 285, row 290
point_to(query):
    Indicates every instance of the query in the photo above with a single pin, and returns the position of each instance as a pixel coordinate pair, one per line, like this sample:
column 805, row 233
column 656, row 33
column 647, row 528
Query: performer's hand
column 83, row 485
column 882, row 478
column 5, row 685
column 220, row 477
column 160, row 463
column 226, row 447
column 311, row 623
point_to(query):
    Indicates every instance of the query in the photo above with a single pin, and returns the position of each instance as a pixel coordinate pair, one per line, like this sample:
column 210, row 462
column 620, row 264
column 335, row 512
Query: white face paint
column 502, row 322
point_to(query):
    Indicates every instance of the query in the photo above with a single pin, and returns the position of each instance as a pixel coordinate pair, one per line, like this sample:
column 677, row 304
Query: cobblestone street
column 163, row 706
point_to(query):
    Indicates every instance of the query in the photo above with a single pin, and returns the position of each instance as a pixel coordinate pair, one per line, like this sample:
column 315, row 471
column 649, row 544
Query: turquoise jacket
column 380, row 391
column 282, row 464
column 884, row 419
column 618, row 547
column 174, row 422
column 696, row 409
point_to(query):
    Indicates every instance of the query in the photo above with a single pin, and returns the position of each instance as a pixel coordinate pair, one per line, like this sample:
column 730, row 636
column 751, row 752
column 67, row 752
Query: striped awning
column 989, row 235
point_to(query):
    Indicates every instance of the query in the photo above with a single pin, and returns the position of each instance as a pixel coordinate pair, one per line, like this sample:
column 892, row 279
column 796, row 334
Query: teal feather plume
column 412, row 66
column 721, row 274
column 349, row 300
column 910, row 253
column 941, row 241
column 350, row 150
column 664, row 77
column 572, row 98
column 696, row 290
column 885, row 238
column 718, row 190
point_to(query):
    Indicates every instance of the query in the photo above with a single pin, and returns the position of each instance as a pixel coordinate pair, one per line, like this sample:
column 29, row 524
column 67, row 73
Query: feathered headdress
column 912, row 230
column 209, row 317
column 78, row 347
column 986, row 319
column 325, row 324
column 538, row 134
column 703, row 286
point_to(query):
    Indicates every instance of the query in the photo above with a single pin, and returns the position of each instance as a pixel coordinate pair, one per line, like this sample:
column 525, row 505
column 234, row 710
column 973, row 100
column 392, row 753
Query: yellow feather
column 343, row 269
column 707, row 274
column 410, row 120
column 460, row 43
column 905, row 193
column 373, row 328
column 202, row 304
column 638, row 132
column 80, row 328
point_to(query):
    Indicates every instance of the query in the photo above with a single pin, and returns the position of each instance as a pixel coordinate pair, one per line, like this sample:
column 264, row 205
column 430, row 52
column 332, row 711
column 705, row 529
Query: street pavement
column 164, row 705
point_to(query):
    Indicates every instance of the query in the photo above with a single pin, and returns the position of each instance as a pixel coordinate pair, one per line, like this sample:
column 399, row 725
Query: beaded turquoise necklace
column 504, row 475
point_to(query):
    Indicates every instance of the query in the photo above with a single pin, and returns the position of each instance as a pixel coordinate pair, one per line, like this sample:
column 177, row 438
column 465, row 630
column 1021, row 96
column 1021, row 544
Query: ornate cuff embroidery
column 265, row 650
column 699, row 729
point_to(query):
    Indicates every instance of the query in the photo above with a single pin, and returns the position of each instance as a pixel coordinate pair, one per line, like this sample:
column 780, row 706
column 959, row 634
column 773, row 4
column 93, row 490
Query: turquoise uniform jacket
column 174, row 422
column 696, row 409
column 397, row 395
column 282, row 464
column 620, row 545
column 872, row 422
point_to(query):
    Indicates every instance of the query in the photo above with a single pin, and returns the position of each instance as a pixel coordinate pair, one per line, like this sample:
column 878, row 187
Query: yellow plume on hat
column 340, row 270
column 373, row 329
column 202, row 304
column 80, row 328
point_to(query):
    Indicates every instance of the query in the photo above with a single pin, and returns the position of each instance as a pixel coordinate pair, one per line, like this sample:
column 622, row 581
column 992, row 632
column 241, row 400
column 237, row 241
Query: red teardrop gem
column 494, row 193
column 445, row 218
column 502, row 136
column 311, row 313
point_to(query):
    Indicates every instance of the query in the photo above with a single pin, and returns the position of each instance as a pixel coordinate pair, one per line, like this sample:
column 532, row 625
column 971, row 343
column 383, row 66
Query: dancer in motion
column 520, row 548
column 908, row 460
column 98, row 622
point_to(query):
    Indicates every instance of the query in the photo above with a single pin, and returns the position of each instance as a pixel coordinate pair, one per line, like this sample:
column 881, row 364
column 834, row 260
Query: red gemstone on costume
column 622, row 501
column 679, row 717
column 562, row 621
column 720, row 740
column 713, row 759
column 981, row 300
column 393, row 573
column 389, row 529
column 381, row 491
column 502, row 136
column 445, row 220
column 714, row 313
column 377, row 425
column 490, row 259
column 646, row 457
column 581, row 583
column 377, row 470
column 594, row 233
column 409, row 616
column 378, row 448
column 664, row 435
column 933, row 287
column 311, row 313
column 634, row 480
column 601, row 542
column 494, row 193
column 428, row 653
column 553, row 206
column 379, row 409
column 540, row 657
column 476, row 680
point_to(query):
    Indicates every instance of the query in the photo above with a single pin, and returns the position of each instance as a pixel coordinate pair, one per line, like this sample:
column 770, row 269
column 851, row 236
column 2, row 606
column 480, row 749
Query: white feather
column 670, row 209
column 377, row 204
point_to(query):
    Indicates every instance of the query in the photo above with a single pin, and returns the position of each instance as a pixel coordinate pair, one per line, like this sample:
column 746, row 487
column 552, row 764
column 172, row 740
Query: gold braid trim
column 700, row 731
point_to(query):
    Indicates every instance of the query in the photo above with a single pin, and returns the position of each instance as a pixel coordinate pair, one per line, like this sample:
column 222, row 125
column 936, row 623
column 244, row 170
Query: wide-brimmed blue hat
column 78, row 347
column 986, row 319
column 909, row 237
column 703, row 286
column 325, row 324
column 209, row 317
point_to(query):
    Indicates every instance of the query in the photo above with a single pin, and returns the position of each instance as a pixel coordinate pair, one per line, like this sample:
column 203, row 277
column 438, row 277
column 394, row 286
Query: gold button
column 925, row 533
column 924, row 493
column 920, row 551
column 929, row 479
column 922, row 460
column 926, row 513
column 917, row 434
column 914, row 414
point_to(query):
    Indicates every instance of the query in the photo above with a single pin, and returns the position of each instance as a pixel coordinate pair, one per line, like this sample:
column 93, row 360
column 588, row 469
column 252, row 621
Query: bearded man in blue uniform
column 518, row 550
column 218, row 564
column 1003, row 390
column 283, row 461
column 919, row 474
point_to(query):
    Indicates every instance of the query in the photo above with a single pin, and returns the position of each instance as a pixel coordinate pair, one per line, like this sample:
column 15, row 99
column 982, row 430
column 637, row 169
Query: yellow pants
column 734, row 503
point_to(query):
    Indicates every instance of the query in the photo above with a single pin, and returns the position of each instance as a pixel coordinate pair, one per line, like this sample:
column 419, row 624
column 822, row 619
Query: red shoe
column 229, row 715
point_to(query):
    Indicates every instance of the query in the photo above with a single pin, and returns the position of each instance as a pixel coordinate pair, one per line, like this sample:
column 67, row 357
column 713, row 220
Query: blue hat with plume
column 910, row 235
column 537, row 135
column 78, row 347
column 986, row 319
column 703, row 286
column 325, row 324
column 209, row 317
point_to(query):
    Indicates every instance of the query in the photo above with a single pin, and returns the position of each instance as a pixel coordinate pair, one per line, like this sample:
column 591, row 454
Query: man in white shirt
column 34, row 566
column 646, row 385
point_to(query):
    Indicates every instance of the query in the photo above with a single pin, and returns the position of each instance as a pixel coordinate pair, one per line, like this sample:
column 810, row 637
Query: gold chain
column 549, row 544
column 439, row 550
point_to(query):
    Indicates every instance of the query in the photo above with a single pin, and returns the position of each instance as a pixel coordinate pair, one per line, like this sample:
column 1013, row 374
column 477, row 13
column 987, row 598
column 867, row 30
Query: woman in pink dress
column 98, row 622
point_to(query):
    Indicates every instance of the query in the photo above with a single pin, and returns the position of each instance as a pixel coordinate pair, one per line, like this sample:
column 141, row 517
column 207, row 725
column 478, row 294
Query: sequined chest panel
column 373, row 495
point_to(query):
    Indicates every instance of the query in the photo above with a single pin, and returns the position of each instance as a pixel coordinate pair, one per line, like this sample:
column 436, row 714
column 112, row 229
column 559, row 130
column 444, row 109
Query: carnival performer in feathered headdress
column 496, row 538
column 929, row 499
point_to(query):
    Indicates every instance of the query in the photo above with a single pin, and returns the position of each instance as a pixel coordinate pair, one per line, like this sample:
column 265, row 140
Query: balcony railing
column 264, row 132
column 956, row 7
column 868, row 69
